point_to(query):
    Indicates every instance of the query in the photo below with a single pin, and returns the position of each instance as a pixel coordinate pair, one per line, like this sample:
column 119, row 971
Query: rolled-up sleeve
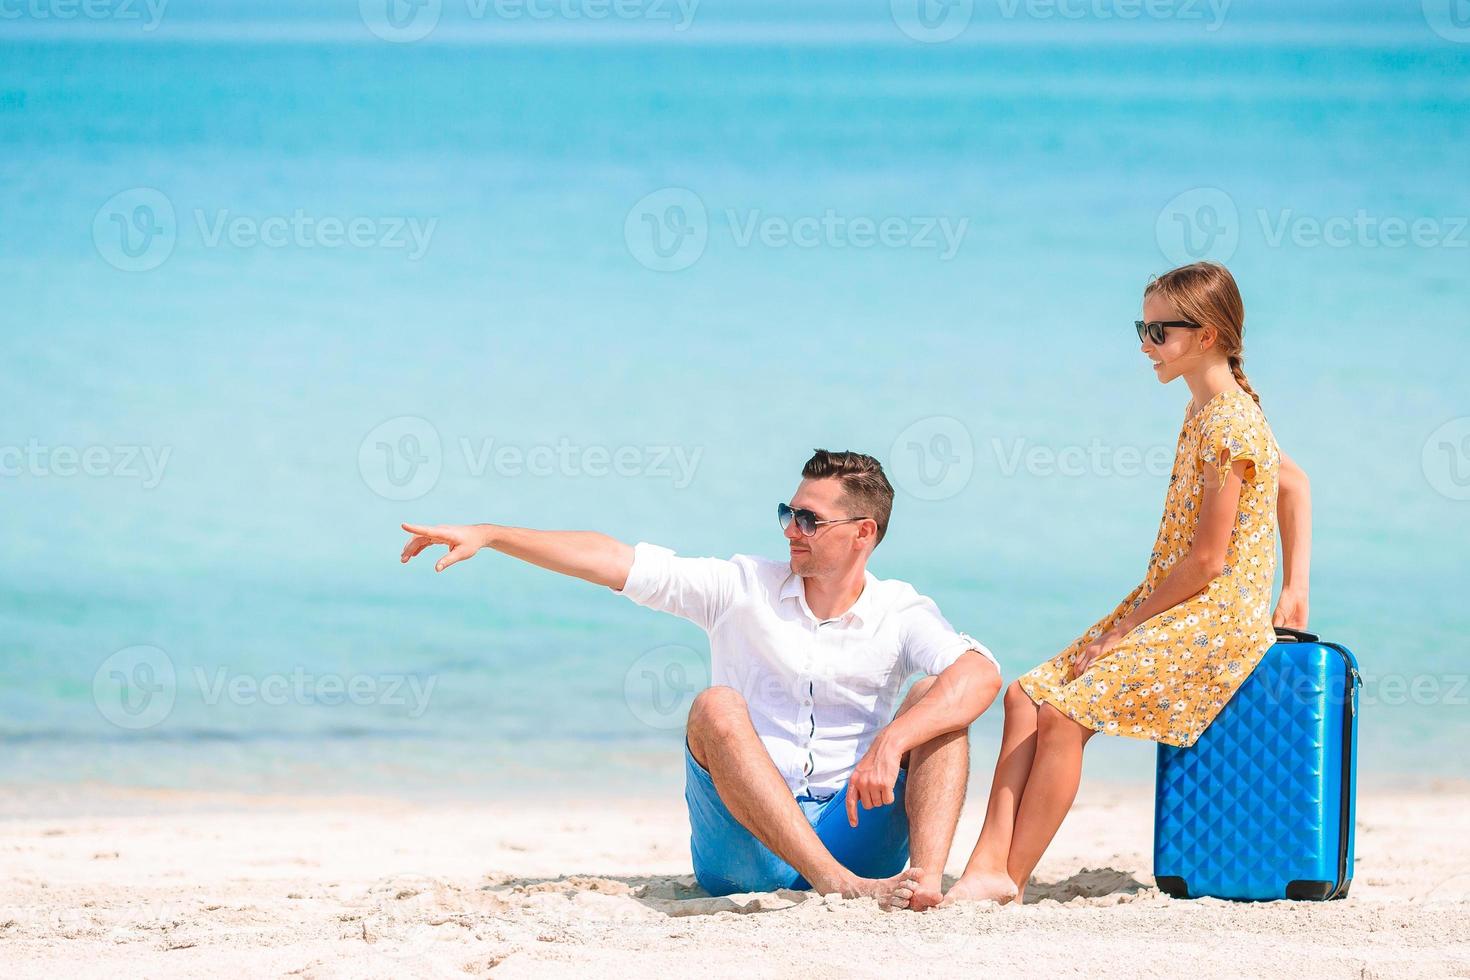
column 931, row 644
column 696, row 589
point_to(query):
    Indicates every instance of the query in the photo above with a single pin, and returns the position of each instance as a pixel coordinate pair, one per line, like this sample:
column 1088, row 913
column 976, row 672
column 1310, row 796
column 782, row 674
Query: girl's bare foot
column 892, row 893
column 929, row 893
column 990, row 886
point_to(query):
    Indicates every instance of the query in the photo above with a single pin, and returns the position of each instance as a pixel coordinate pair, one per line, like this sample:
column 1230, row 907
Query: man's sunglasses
column 1154, row 329
column 807, row 522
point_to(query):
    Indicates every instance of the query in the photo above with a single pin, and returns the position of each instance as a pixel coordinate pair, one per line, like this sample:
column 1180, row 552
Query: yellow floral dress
column 1167, row 679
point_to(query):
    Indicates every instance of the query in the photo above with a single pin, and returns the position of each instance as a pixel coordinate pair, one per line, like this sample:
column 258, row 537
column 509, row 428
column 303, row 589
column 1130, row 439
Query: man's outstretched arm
column 581, row 554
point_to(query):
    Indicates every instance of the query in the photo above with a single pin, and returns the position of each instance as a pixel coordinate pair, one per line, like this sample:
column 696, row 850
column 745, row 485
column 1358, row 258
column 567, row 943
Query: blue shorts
column 729, row 859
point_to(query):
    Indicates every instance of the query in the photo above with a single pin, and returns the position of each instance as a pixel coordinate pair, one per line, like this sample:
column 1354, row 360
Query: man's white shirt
column 818, row 691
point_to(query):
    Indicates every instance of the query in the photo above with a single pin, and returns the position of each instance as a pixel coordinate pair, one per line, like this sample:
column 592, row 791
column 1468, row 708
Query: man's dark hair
column 868, row 492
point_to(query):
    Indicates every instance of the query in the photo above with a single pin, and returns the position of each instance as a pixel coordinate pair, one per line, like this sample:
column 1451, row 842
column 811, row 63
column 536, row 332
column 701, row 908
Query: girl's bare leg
column 986, row 876
column 1050, row 792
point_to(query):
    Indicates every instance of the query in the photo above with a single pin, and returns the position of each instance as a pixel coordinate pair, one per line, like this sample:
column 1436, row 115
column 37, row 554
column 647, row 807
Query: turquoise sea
column 274, row 282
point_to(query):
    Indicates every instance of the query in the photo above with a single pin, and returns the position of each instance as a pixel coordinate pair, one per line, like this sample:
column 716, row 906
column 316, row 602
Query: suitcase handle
column 1284, row 634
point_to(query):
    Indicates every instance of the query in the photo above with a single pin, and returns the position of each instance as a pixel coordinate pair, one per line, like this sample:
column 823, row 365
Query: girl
column 1162, row 665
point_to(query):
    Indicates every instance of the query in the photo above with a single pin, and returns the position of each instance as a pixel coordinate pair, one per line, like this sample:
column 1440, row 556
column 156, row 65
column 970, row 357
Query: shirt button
column 807, row 702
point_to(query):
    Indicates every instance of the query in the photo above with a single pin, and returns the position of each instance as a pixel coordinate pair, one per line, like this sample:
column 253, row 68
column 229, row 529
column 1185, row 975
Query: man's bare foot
column 892, row 893
column 994, row 886
column 929, row 893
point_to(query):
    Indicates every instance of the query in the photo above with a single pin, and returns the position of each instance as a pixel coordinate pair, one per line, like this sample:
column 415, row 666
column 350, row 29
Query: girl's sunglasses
column 807, row 522
column 1154, row 329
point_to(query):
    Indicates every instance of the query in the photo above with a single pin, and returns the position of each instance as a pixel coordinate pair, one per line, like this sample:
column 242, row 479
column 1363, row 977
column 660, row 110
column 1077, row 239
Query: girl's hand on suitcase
column 1291, row 609
column 1096, row 650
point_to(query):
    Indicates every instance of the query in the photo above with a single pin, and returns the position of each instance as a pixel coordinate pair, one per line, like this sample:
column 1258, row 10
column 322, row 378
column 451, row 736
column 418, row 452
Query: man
column 808, row 657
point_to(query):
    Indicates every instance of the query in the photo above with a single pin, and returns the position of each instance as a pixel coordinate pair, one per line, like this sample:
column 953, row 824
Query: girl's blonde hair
column 1205, row 292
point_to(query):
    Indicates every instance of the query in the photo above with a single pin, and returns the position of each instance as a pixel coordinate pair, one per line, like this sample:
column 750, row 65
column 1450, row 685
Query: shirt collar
column 795, row 588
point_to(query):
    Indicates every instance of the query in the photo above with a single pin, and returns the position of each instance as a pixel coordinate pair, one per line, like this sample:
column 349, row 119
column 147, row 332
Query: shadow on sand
column 679, row 895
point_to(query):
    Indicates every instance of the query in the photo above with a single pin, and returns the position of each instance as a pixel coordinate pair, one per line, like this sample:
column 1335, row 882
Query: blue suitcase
column 1262, row 806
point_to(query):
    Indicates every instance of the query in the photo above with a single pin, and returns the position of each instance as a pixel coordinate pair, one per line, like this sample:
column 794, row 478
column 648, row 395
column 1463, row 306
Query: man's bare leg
column 934, row 795
column 986, row 878
column 725, row 743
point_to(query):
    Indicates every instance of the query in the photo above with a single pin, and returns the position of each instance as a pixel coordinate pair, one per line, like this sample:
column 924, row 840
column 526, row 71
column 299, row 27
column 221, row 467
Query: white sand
column 346, row 888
